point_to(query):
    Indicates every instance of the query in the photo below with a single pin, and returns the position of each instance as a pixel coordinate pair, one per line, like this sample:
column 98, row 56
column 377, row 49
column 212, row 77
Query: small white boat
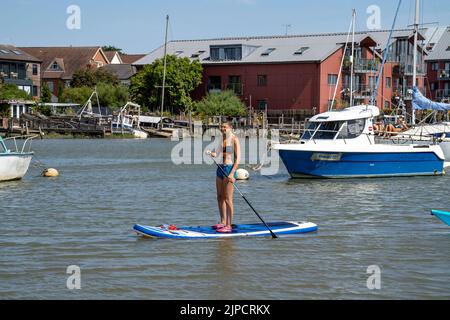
column 14, row 164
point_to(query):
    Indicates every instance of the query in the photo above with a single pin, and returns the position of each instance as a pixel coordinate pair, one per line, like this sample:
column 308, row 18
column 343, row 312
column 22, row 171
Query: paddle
column 274, row 236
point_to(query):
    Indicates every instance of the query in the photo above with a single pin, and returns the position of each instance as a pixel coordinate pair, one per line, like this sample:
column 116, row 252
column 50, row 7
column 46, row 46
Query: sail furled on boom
column 422, row 103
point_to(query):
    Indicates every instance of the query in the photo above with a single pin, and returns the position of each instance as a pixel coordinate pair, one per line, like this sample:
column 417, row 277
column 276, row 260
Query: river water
column 85, row 218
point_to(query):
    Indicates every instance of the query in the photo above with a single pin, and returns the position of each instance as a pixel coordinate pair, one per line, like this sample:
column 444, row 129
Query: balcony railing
column 406, row 66
column 365, row 66
column 444, row 74
column 363, row 91
column 406, row 93
column 443, row 94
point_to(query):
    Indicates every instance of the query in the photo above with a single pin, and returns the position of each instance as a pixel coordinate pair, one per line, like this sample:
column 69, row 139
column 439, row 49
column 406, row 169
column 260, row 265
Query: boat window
column 352, row 129
column 328, row 130
column 2, row 146
column 309, row 131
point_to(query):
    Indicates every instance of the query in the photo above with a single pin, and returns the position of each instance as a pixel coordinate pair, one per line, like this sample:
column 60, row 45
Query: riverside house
column 20, row 68
column 60, row 63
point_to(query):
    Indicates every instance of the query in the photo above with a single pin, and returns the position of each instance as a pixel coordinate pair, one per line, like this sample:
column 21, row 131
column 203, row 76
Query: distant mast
column 416, row 32
column 164, row 73
column 352, row 57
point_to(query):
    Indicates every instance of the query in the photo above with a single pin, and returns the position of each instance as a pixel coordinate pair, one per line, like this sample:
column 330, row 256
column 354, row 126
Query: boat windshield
column 328, row 130
column 322, row 130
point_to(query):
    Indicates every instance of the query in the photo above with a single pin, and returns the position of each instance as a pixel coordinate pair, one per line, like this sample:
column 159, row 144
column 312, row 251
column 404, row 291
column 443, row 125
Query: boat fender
column 242, row 174
column 50, row 173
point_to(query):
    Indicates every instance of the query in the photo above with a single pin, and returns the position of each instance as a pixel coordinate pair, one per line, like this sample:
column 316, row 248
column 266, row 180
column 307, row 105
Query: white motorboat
column 14, row 163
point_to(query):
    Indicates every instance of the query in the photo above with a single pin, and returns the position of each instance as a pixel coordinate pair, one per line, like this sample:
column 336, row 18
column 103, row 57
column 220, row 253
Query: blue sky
column 137, row 26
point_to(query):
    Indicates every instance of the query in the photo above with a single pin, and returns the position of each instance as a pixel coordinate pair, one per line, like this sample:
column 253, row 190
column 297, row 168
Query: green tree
column 109, row 95
column 182, row 77
column 112, row 48
column 60, row 91
column 225, row 103
column 46, row 94
column 90, row 78
column 12, row 92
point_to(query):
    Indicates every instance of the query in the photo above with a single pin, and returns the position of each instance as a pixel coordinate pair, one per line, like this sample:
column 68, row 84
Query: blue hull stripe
column 303, row 163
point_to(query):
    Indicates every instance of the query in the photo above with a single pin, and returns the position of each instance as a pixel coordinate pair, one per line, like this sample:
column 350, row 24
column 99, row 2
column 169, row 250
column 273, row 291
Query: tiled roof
column 110, row 55
column 441, row 50
column 131, row 58
column 73, row 59
column 123, row 71
column 320, row 47
column 12, row 53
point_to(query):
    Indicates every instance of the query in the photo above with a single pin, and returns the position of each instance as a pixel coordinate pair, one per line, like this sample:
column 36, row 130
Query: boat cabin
column 349, row 123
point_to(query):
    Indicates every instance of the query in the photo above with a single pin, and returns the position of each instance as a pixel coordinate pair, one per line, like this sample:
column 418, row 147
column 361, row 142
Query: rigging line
column 380, row 73
column 330, row 108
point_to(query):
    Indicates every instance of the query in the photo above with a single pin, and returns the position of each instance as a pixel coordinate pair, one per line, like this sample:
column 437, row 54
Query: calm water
column 85, row 218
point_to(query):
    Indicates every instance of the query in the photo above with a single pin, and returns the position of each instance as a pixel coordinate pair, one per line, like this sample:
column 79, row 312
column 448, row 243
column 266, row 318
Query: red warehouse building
column 298, row 74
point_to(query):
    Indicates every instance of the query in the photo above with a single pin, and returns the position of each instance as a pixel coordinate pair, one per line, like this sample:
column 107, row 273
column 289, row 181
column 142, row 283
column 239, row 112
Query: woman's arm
column 237, row 156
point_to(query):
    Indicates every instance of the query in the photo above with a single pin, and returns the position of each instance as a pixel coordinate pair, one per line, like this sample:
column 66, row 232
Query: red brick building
column 298, row 74
column 438, row 63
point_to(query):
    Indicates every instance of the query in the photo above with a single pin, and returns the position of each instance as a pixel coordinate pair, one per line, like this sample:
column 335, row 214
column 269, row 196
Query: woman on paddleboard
column 231, row 156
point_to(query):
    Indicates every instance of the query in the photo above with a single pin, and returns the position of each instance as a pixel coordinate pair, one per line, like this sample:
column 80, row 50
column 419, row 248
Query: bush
column 12, row 92
column 225, row 103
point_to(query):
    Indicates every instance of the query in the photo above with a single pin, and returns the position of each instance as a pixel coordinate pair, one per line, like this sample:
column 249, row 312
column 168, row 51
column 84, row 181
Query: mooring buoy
column 242, row 174
column 50, row 173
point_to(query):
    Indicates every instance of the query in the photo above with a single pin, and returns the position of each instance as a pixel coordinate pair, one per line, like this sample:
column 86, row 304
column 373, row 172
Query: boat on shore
column 14, row 163
column 128, row 122
column 341, row 144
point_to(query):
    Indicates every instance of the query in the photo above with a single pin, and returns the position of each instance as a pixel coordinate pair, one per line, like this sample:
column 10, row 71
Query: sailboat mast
column 164, row 72
column 416, row 32
column 352, row 57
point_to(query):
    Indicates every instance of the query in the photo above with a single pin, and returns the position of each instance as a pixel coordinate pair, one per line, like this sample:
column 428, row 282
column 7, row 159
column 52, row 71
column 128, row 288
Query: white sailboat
column 341, row 144
column 439, row 132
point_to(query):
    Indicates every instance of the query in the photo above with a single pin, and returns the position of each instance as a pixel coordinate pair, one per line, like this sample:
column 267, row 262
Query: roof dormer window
column 226, row 52
column 301, row 50
column 198, row 54
column 268, row 52
column 55, row 66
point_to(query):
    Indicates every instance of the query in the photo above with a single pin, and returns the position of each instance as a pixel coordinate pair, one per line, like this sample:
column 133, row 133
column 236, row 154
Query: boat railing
column 13, row 147
column 407, row 138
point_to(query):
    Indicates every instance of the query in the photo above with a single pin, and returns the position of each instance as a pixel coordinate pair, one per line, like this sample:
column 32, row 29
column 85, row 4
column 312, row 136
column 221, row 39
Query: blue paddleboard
column 442, row 215
column 240, row 230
